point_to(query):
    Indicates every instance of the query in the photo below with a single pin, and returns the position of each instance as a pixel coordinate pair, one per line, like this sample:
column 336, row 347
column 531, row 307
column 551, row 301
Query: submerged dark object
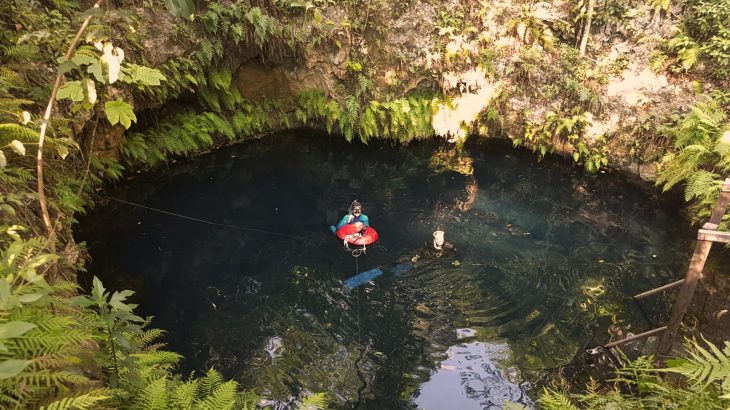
column 401, row 268
column 363, row 278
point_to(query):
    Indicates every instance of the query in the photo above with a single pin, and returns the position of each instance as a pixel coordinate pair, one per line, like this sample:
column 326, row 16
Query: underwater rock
column 423, row 311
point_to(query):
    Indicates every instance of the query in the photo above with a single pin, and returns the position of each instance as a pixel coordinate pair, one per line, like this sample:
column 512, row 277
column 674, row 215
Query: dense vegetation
column 74, row 78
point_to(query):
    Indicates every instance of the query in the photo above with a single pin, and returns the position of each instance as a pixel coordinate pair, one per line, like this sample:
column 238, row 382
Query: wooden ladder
column 705, row 238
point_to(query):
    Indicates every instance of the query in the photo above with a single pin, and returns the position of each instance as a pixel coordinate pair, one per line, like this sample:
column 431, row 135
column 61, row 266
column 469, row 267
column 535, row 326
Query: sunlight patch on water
column 471, row 378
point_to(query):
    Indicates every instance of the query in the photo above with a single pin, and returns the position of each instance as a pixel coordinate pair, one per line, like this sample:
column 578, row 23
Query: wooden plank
column 722, row 203
column 636, row 337
column 714, row 236
column 684, row 298
column 659, row 289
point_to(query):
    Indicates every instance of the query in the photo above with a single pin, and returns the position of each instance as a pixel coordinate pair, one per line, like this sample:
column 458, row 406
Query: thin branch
column 44, row 127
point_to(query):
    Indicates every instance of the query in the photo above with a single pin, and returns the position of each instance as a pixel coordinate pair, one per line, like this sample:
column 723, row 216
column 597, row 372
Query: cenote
column 547, row 256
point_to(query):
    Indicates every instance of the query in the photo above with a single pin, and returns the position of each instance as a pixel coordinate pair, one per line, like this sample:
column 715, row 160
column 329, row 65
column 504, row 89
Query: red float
column 363, row 238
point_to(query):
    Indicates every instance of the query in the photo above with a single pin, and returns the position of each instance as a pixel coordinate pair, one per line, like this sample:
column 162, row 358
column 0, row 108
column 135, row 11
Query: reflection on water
column 546, row 257
column 471, row 378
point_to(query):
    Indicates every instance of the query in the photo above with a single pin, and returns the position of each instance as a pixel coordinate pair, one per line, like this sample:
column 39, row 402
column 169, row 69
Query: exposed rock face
column 473, row 53
column 255, row 81
column 156, row 26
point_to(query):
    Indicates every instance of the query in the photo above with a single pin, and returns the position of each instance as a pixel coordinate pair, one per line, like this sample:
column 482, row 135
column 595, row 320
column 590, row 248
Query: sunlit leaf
column 181, row 8
column 25, row 117
column 111, row 61
column 30, row 297
column 71, row 90
column 90, row 91
column 119, row 112
column 15, row 328
column 10, row 368
column 18, row 147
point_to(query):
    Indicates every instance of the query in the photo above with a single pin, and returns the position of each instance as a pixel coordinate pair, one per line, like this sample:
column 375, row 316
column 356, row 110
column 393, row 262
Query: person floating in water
column 354, row 216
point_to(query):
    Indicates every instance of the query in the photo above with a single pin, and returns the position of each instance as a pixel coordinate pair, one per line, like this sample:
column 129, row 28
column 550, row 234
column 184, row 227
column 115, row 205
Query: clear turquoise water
column 546, row 258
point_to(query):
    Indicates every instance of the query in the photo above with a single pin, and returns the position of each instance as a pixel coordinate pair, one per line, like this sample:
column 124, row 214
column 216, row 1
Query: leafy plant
column 706, row 384
column 181, row 8
column 704, row 40
column 115, row 319
column 701, row 156
column 570, row 132
column 43, row 338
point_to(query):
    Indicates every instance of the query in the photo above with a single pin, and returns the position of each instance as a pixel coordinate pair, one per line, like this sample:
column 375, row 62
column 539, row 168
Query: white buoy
column 438, row 240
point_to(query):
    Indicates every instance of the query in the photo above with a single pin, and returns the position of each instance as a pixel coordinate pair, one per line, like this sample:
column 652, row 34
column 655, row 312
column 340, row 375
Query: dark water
column 546, row 257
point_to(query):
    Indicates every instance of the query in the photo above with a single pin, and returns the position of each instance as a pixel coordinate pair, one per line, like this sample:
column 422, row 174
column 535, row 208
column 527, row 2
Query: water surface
column 546, row 258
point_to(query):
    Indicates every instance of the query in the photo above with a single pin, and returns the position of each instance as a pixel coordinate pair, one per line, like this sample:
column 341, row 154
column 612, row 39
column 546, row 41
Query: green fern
column 184, row 395
column 82, row 402
column 553, row 400
column 10, row 131
column 22, row 52
column 702, row 183
column 702, row 152
column 53, row 336
column 316, row 401
column 705, row 366
column 154, row 396
column 264, row 25
column 223, row 397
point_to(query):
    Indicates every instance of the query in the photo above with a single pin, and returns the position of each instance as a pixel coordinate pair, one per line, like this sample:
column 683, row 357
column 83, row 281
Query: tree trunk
column 587, row 27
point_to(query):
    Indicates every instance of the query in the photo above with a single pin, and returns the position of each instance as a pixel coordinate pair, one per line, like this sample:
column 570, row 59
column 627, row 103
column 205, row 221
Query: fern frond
column 704, row 366
column 552, row 400
column 221, row 79
column 10, row 131
column 157, row 358
column 21, row 52
column 184, row 395
column 247, row 400
column 211, row 381
column 700, row 184
column 83, row 402
column 220, row 125
column 222, row 398
column 154, row 395
column 317, row 401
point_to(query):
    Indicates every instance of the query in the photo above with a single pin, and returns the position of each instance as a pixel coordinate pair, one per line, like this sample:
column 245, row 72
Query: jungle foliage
column 60, row 352
column 702, row 382
column 92, row 351
column 701, row 157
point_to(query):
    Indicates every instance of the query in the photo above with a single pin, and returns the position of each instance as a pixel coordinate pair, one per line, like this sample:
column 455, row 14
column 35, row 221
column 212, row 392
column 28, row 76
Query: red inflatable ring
column 349, row 231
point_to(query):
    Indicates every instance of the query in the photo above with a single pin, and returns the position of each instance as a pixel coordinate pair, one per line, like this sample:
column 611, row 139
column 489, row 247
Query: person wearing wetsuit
column 354, row 216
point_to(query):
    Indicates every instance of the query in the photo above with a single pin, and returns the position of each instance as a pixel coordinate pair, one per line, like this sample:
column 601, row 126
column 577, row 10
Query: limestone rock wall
column 499, row 55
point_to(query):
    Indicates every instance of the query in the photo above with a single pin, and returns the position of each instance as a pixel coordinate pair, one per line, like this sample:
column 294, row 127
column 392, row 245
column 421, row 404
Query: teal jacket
column 362, row 218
